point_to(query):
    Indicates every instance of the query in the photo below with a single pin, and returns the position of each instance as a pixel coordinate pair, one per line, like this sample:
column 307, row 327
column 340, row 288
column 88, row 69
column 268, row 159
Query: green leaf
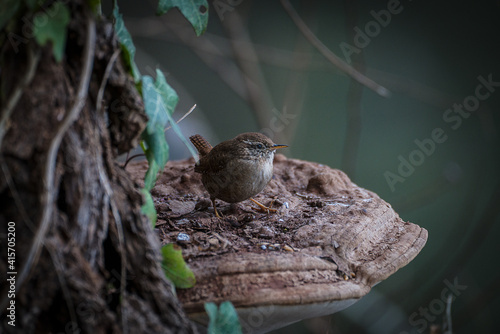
column 222, row 320
column 170, row 99
column 175, row 268
column 195, row 11
column 8, row 9
column 159, row 100
column 148, row 208
column 154, row 96
column 52, row 28
column 167, row 93
column 126, row 43
column 150, row 177
column 156, row 152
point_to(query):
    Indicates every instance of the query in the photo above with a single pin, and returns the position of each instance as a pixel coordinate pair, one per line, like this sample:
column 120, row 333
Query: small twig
column 127, row 160
column 306, row 196
column 185, row 115
column 447, row 326
column 132, row 157
column 329, row 55
column 105, row 78
column 353, row 108
column 33, row 59
column 49, row 170
column 224, row 241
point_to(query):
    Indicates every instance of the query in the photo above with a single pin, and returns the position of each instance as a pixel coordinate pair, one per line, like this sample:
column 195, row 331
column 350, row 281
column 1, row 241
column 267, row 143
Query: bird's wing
column 216, row 161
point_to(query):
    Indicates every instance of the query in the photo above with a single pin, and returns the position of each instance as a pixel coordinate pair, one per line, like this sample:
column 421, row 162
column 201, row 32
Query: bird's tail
column 201, row 144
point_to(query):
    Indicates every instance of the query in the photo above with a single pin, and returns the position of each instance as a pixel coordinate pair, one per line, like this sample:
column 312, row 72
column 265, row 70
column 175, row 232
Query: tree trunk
column 86, row 259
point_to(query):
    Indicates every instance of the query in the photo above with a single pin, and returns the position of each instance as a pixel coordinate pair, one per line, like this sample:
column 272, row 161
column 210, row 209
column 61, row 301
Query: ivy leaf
column 159, row 100
column 222, row 320
column 156, row 153
column 170, row 99
column 126, row 43
column 195, row 11
column 167, row 93
column 148, row 208
column 175, row 267
column 52, row 28
column 154, row 96
column 8, row 9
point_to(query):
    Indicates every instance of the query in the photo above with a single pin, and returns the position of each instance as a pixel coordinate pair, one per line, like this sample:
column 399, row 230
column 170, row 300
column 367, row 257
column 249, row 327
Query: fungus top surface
column 330, row 240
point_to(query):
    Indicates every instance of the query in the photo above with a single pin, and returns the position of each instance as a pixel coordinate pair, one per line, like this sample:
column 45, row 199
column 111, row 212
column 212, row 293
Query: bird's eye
column 259, row 146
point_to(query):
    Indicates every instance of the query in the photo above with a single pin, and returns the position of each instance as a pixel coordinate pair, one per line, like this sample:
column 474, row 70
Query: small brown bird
column 236, row 169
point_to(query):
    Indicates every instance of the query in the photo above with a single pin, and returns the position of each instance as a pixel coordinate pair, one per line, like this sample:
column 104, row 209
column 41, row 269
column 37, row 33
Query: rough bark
column 98, row 268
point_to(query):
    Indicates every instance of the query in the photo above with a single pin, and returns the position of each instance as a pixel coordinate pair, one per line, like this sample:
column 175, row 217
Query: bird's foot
column 217, row 214
column 262, row 207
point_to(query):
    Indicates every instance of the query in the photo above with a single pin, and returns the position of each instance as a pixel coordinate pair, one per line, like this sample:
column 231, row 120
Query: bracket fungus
column 327, row 245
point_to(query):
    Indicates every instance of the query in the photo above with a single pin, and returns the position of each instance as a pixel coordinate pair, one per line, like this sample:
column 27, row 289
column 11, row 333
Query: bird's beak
column 275, row 147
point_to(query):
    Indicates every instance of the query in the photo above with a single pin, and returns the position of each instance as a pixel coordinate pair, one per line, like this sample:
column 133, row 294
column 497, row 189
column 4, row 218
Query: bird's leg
column 215, row 209
column 263, row 207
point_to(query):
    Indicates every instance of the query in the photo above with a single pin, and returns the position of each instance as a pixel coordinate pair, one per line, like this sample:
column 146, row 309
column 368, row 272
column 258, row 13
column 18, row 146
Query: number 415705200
column 11, row 243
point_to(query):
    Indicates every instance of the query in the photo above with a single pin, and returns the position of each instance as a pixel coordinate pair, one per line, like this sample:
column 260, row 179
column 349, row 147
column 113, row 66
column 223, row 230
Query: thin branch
column 105, row 78
column 353, row 131
column 208, row 49
column 448, row 325
column 49, row 170
column 215, row 50
column 334, row 59
column 254, row 79
column 353, row 106
column 295, row 92
column 131, row 158
column 33, row 59
column 185, row 115
column 128, row 159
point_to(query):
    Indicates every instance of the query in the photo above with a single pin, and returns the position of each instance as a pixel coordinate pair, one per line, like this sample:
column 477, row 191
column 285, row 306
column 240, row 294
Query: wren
column 236, row 169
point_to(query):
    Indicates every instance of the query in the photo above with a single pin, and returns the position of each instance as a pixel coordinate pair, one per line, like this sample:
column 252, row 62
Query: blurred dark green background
column 254, row 70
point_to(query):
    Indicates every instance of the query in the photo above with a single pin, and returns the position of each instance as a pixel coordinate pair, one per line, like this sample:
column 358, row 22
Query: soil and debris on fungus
column 326, row 228
column 304, row 194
